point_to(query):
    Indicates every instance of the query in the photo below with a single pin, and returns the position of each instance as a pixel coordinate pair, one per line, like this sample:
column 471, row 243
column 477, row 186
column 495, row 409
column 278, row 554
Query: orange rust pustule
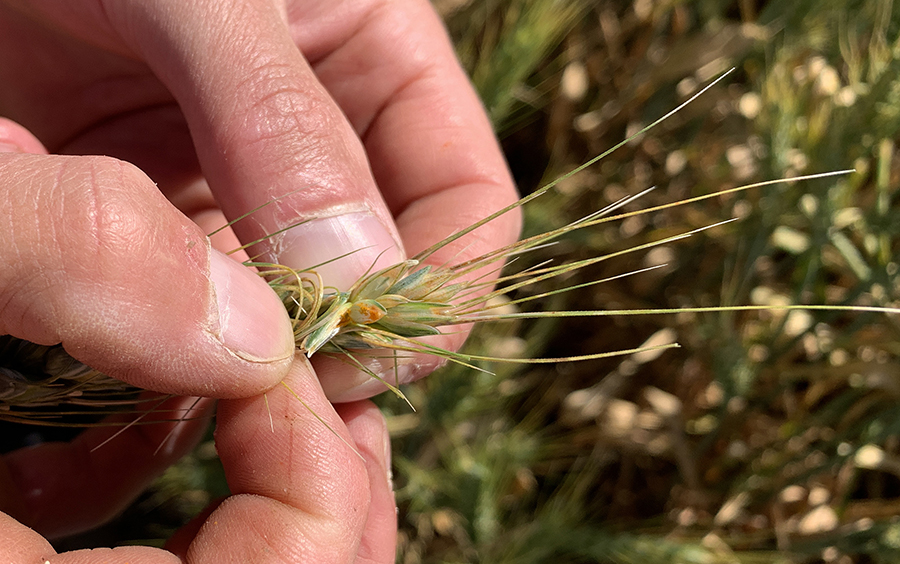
column 362, row 313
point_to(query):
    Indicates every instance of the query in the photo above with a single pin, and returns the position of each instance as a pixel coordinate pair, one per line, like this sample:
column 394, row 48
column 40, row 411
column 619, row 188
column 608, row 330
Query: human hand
column 299, row 491
column 354, row 114
column 277, row 473
column 124, row 278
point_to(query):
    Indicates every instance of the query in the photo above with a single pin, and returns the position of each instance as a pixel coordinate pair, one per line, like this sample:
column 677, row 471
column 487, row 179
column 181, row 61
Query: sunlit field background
column 767, row 437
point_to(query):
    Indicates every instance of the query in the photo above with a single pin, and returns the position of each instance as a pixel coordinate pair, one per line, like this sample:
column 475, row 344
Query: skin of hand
column 299, row 491
column 159, row 119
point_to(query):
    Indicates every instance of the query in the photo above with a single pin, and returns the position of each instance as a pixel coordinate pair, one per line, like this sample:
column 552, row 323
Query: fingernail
column 360, row 240
column 253, row 323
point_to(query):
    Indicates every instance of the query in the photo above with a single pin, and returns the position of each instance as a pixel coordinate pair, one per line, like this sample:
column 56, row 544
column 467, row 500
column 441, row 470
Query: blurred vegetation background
column 768, row 437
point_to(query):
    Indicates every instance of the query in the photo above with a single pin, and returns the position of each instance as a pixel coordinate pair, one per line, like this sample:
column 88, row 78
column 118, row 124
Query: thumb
column 97, row 259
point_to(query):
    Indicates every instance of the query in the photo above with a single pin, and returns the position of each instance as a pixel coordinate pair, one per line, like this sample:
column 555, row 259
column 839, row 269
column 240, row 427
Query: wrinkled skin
column 132, row 128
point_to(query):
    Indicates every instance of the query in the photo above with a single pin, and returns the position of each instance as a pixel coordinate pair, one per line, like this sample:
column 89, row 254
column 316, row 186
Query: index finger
column 302, row 493
column 392, row 69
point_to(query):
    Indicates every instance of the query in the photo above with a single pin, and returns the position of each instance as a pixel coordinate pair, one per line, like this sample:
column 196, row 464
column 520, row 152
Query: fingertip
column 252, row 321
column 275, row 136
column 16, row 139
column 180, row 542
column 368, row 428
column 298, row 488
column 19, row 543
column 343, row 384
column 133, row 288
